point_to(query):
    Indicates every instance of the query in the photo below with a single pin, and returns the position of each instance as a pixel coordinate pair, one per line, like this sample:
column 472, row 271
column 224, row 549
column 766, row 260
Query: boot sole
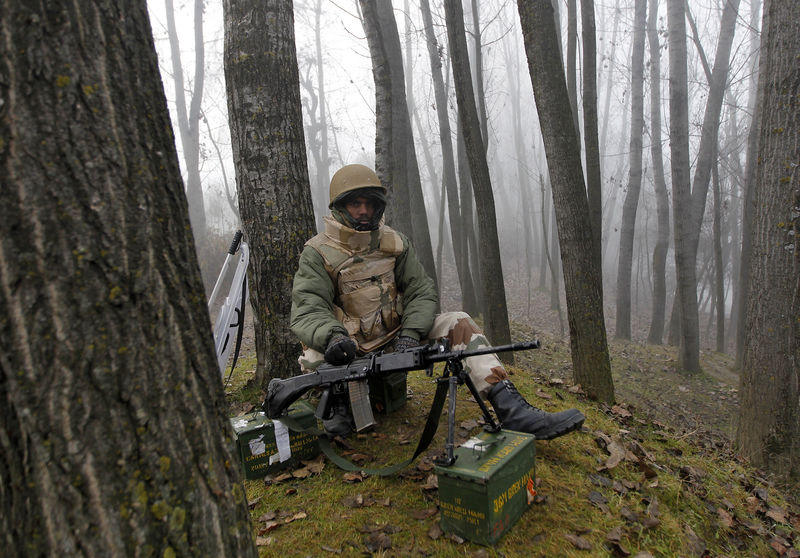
column 565, row 427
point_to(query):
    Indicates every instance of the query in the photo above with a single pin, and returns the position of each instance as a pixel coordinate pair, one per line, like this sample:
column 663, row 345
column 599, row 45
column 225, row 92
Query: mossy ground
column 676, row 488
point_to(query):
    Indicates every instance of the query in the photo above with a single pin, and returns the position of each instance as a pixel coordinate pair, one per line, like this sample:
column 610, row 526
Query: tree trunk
column 594, row 179
column 480, row 94
column 572, row 49
column 748, row 184
column 189, row 121
column 719, row 264
column 710, row 130
column 689, row 351
column 769, row 426
column 448, row 158
column 496, row 318
column 114, row 437
column 609, row 84
column 628, row 225
column 269, row 154
column 323, row 171
column 582, row 279
column 472, row 299
column 402, row 177
column 661, row 248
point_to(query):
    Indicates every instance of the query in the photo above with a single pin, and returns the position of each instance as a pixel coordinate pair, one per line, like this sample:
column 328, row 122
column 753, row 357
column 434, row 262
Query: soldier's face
column 361, row 209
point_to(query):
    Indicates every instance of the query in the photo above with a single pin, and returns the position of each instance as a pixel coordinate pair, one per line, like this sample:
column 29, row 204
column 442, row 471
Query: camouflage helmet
column 353, row 177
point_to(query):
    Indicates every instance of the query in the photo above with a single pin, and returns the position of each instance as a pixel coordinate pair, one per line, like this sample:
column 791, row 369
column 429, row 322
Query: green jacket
column 313, row 315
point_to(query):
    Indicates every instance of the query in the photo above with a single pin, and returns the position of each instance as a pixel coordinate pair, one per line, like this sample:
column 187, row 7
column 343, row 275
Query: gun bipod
column 455, row 375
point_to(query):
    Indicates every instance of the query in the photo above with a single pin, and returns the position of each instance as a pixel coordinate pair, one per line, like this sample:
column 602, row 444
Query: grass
column 674, row 492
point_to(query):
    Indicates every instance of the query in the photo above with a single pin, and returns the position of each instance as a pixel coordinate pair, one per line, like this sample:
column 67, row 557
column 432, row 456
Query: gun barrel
column 464, row 353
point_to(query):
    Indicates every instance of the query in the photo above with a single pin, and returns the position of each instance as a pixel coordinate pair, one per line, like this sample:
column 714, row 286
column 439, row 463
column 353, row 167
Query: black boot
column 517, row 414
column 341, row 423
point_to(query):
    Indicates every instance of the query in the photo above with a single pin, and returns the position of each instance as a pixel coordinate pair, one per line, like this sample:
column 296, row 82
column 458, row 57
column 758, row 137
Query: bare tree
column 189, row 121
column 591, row 141
column 113, row 436
column 769, row 422
column 271, row 172
column 661, row 248
column 448, row 159
column 630, row 206
column 496, row 318
column 582, row 278
column 689, row 353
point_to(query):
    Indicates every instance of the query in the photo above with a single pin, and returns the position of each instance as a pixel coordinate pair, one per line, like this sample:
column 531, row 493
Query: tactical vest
column 361, row 266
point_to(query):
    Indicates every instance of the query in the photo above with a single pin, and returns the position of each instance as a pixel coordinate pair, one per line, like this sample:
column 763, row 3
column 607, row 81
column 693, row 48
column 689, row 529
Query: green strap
column 431, row 425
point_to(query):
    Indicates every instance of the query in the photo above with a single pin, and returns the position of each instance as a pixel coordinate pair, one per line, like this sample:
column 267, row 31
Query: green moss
column 114, row 292
column 160, row 509
column 177, row 518
column 63, row 81
column 164, row 464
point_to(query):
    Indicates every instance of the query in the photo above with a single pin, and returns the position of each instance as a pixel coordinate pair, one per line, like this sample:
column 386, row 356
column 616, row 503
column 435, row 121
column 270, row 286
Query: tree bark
column 629, row 207
column 769, row 422
column 747, row 195
column 661, row 248
column 582, row 278
column 689, row 346
column 269, row 154
column 496, row 318
column 114, row 437
column 594, row 179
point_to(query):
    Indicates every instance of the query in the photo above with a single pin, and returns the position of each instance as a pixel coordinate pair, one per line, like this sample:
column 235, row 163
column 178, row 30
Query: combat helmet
column 356, row 180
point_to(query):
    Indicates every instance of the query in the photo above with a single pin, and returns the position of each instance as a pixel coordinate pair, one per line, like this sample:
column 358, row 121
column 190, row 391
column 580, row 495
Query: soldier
column 360, row 288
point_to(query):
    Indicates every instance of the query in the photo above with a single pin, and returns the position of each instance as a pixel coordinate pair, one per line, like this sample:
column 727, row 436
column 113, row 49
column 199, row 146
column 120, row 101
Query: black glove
column 404, row 342
column 341, row 350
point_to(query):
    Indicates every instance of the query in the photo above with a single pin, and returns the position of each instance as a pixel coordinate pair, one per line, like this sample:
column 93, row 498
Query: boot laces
column 512, row 389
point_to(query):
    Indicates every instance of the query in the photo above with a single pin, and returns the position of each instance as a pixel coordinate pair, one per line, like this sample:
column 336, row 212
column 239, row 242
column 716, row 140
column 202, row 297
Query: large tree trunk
column 661, row 248
column 689, row 352
column 114, row 440
column 271, row 170
column 496, row 318
column 769, row 428
column 582, row 279
column 628, row 225
column 189, row 121
column 594, row 179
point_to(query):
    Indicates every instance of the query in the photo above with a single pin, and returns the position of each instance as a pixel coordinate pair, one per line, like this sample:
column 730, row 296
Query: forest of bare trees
column 636, row 217
column 646, row 181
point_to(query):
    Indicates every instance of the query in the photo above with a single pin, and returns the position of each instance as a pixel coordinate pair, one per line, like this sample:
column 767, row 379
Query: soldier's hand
column 405, row 342
column 341, row 350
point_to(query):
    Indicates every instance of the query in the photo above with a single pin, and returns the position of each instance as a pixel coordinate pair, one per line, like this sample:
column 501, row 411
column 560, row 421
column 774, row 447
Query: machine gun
column 332, row 379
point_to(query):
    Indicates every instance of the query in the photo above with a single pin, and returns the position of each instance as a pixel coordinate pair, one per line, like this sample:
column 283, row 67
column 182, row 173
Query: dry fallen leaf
column 431, row 483
column 378, row 541
column 353, row 477
column 621, row 411
column 777, row 515
column 435, row 531
column 424, row 514
column 578, row 541
column 263, row 541
column 615, row 534
column 254, row 502
column 725, row 519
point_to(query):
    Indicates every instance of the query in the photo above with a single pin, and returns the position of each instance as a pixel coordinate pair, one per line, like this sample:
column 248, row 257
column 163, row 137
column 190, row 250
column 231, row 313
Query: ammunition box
column 483, row 494
column 259, row 450
column 387, row 393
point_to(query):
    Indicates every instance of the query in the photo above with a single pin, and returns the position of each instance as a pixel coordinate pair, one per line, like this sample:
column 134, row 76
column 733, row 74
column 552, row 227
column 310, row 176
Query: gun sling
column 431, row 425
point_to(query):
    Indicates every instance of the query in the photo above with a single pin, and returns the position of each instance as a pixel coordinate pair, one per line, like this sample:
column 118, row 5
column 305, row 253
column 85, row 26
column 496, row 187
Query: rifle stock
column 283, row 392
